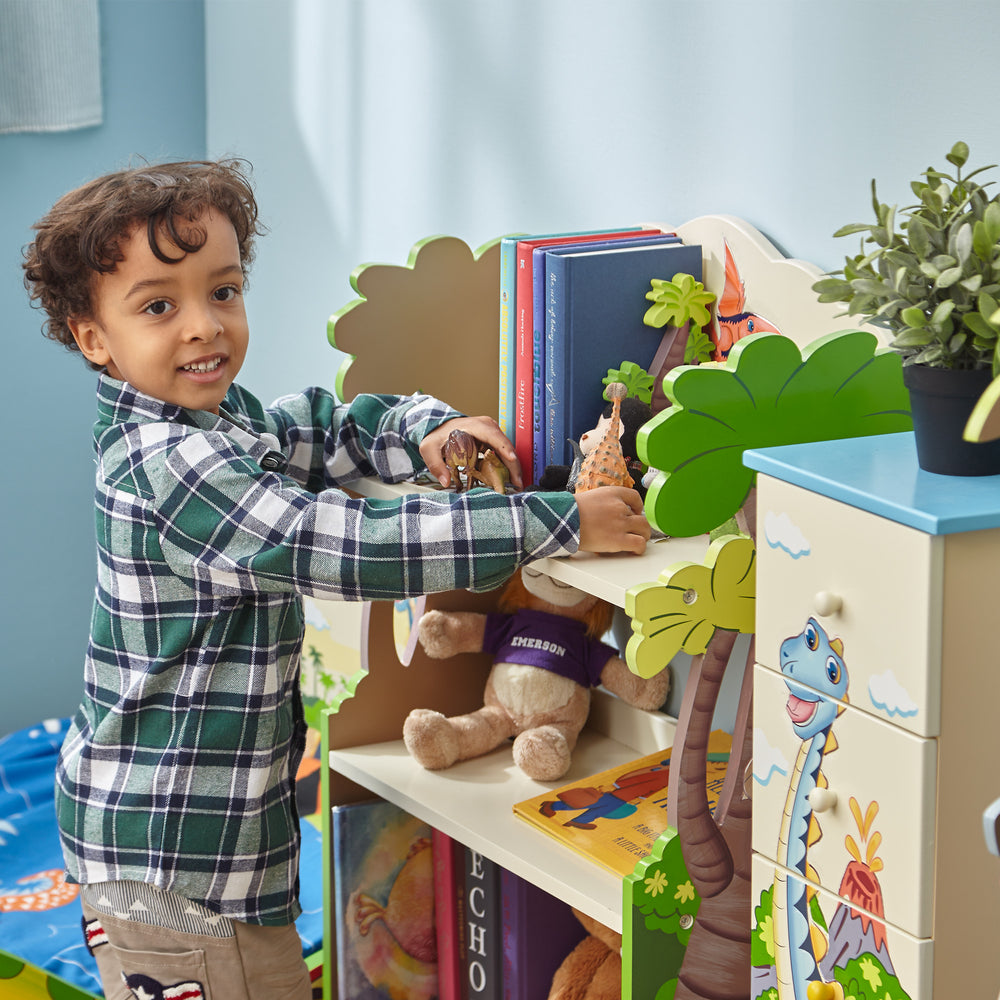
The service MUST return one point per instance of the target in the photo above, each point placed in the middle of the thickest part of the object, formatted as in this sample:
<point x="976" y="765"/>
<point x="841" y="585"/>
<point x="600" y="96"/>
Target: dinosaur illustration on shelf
<point x="810" y="658"/>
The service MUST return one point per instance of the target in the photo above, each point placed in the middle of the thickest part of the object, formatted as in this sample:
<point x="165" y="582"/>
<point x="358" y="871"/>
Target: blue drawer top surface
<point x="880" y="474"/>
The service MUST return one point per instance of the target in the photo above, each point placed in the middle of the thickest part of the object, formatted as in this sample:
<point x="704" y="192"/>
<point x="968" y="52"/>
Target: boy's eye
<point x="225" y="294"/>
<point x="158" y="307"/>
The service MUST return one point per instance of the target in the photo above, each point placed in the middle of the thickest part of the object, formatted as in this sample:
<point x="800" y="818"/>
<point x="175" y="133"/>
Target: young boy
<point x="175" y="786"/>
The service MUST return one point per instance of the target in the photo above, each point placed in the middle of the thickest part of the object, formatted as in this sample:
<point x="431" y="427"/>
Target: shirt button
<point x="273" y="462"/>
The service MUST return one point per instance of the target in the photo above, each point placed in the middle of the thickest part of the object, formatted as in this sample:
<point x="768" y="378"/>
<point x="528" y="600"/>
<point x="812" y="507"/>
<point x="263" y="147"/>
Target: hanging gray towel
<point x="50" y="65"/>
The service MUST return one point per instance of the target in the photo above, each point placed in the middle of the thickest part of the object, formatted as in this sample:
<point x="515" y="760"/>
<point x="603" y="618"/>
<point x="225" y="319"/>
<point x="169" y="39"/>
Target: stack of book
<point x="420" y="915"/>
<point x="571" y="309"/>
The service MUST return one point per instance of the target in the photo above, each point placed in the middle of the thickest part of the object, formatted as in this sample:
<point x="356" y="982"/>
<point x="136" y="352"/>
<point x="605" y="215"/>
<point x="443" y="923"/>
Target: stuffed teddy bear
<point x="548" y="655"/>
<point x="593" y="969"/>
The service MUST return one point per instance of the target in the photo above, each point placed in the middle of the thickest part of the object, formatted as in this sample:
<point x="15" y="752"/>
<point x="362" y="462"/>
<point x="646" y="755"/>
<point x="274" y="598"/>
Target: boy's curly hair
<point x="82" y="233"/>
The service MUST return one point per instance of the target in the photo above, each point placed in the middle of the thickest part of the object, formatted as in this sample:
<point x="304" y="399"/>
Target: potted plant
<point x="930" y="274"/>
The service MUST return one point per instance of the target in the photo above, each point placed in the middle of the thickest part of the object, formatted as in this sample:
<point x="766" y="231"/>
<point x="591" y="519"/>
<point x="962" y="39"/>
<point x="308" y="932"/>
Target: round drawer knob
<point x="827" y="604"/>
<point x="822" y="799"/>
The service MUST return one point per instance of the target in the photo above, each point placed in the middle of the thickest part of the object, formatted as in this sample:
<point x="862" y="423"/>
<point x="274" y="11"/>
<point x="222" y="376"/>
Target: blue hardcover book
<point x="538" y="312"/>
<point x="595" y="302"/>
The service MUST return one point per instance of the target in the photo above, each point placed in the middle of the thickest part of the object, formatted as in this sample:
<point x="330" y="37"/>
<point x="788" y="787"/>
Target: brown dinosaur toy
<point x="605" y="465"/>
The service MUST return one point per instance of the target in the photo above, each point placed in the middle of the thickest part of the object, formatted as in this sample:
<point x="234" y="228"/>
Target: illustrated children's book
<point x="539" y="931"/>
<point x="614" y="817"/>
<point x="384" y="903"/>
<point x="595" y="303"/>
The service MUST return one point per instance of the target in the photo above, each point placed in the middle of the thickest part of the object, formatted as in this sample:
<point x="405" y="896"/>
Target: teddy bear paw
<point x="542" y="754"/>
<point x="430" y="739"/>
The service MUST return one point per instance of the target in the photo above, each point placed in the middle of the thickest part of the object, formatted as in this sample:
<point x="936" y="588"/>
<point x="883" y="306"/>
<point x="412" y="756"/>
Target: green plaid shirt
<point x="179" y="767"/>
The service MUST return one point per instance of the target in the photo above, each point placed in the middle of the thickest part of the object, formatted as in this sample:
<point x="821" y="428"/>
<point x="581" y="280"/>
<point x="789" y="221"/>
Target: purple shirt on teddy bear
<point x="552" y="642"/>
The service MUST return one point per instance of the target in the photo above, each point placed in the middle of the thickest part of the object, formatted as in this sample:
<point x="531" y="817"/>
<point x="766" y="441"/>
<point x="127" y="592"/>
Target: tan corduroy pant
<point x="138" y="961"/>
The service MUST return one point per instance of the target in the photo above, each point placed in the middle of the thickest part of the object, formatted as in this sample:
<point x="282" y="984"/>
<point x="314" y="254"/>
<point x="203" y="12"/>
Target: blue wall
<point x="153" y="77"/>
<point x="373" y="125"/>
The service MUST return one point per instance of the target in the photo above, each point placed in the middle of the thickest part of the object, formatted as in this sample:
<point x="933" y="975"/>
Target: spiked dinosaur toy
<point x="605" y="465"/>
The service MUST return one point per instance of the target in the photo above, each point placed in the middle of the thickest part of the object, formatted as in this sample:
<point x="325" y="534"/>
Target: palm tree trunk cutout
<point x="680" y="307"/>
<point x="717" y="848"/>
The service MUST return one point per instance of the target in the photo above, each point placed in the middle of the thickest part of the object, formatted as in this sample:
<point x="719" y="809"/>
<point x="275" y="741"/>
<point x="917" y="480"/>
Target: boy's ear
<point x="88" y="336"/>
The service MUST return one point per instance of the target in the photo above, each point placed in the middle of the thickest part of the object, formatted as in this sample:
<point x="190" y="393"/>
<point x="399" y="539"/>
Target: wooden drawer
<point x="872" y="583"/>
<point x="888" y="773"/>
<point x="869" y="951"/>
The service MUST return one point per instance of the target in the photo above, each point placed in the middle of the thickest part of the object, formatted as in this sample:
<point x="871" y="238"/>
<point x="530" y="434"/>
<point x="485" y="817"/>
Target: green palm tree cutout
<point x="682" y="610"/>
<point x="681" y="306"/>
<point x="767" y="392"/>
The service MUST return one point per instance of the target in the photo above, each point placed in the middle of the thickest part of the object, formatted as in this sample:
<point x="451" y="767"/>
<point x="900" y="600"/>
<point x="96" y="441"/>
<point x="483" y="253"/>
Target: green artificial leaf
<point x="767" y="392"/>
<point x="959" y="154"/>
<point x="682" y="610"/>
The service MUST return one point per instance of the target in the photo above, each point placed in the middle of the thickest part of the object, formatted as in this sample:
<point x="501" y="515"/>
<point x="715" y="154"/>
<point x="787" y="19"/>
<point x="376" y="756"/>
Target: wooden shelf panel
<point x="605" y="576"/>
<point x="473" y="803"/>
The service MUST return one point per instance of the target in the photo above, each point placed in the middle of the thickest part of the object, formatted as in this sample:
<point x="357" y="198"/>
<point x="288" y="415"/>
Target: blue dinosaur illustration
<point x="816" y="675"/>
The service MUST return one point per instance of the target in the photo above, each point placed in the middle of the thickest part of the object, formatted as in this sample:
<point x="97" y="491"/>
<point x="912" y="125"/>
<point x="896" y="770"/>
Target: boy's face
<point x="177" y="332"/>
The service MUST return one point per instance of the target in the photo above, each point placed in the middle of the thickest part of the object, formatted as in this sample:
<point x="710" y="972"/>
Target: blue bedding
<point x="40" y="912"/>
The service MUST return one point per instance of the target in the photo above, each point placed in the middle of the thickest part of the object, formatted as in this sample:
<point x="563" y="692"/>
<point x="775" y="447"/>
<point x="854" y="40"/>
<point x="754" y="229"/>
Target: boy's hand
<point x="612" y="520"/>
<point x="485" y="430"/>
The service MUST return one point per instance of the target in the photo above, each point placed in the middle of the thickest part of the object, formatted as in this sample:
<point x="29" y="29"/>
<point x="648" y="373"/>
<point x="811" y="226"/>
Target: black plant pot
<point x="941" y="400"/>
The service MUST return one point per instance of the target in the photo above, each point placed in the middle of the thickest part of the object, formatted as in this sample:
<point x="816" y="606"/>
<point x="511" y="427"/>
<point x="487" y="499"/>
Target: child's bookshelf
<point x="472" y="802"/>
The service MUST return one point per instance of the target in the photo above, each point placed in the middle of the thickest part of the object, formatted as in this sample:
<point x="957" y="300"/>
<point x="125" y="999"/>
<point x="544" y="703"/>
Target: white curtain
<point x="50" y="65"/>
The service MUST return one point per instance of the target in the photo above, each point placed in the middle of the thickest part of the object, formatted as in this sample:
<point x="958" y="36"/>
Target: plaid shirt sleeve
<point x="229" y="527"/>
<point x="329" y="443"/>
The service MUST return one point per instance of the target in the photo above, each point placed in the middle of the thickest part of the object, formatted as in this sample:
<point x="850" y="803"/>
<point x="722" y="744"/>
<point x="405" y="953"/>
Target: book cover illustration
<point x="614" y="817"/>
<point x="384" y="900"/>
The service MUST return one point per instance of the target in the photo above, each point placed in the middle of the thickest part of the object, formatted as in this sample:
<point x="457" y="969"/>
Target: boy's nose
<point x="203" y="324"/>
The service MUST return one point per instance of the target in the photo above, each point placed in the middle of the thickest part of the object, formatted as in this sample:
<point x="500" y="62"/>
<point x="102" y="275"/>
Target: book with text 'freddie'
<point x="539" y="931"/>
<point x="483" y="928"/>
<point x="383" y="903"/>
<point x="595" y="303"/>
<point x="524" y="332"/>
<point x="540" y="425"/>
<point x="508" y="333"/>
<point x="614" y="817"/>
<point x="449" y="915"/>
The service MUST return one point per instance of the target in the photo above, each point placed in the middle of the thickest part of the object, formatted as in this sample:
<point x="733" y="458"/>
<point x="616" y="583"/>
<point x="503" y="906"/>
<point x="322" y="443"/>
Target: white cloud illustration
<point x="782" y="533"/>
<point x="767" y="760"/>
<point x="313" y="615"/>
<point x="890" y="696"/>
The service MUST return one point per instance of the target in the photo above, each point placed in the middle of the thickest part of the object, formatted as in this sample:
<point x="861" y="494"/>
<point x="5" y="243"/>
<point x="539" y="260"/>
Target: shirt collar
<point x="120" y="402"/>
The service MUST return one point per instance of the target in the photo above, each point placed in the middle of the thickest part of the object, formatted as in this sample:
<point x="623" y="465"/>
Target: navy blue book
<point x="595" y="302"/>
<point x="539" y="290"/>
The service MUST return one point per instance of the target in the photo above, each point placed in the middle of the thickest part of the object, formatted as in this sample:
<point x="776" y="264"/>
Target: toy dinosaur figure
<point x="461" y="454"/>
<point x="605" y="465"/>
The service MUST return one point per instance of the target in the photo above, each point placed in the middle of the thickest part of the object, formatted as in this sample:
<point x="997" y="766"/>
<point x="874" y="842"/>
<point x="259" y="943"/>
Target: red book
<point x="449" y="915"/>
<point x="527" y="331"/>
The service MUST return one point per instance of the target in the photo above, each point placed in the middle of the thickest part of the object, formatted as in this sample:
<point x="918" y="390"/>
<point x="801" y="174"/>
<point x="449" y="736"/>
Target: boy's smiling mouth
<point x="204" y="367"/>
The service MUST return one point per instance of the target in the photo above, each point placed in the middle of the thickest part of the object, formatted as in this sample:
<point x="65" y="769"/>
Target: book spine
<point x="538" y="314"/>
<point x="484" y="944"/>
<point x="523" y="398"/>
<point x="449" y="915"/>
<point x="340" y="891"/>
<point x="511" y="899"/>
<point x="557" y="350"/>
<point x="507" y="361"/>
